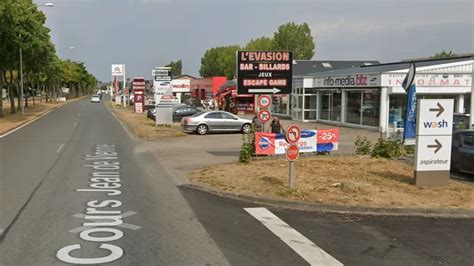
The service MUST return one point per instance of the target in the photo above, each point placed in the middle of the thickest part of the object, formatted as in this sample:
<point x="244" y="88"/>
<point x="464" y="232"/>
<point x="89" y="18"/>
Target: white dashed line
<point x="60" y="148"/>
<point x="299" y="243"/>
<point x="75" y="124"/>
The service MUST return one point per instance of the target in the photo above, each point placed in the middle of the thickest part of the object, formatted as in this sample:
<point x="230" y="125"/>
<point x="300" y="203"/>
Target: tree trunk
<point x="1" y="92"/>
<point x="34" y="91"/>
<point x="10" y="92"/>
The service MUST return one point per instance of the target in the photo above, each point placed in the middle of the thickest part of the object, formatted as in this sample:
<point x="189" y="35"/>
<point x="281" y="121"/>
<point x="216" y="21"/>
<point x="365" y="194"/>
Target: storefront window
<point x="397" y="109"/>
<point x="280" y="104"/>
<point x="467" y="103"/>
<point x="354" y="100"/>
<point x="336" y="106"/>
<point x="325" y="102"/>
<point x="371" y="108"/>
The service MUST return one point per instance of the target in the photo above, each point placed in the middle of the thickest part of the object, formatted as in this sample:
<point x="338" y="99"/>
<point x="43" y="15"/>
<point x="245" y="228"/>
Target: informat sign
<point x="264" y="72"/>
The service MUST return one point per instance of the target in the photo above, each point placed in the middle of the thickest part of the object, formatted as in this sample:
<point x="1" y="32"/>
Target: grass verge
<point x="11" y="121"/>
<point x="347" y="180"/>
<point x="143" y="127"/>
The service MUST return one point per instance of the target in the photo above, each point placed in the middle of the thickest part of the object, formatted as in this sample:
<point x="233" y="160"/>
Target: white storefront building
<point x="372" y="96"/>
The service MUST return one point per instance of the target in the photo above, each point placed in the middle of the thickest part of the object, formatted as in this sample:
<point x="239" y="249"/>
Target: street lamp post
<point x="22" y="101"/>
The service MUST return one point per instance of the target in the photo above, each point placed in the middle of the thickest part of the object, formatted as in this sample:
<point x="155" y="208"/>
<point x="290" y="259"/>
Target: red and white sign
<point x="138" y="85"/>
<point x="293" y="134"/>
<point x="292" y="153"/>
<point x="181" y="85"/>
<point x="264" y="116"/>
<point x="264" y="101"/>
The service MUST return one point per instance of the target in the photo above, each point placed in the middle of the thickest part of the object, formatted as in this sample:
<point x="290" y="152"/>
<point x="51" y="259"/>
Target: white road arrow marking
<point x="123" y="225"/>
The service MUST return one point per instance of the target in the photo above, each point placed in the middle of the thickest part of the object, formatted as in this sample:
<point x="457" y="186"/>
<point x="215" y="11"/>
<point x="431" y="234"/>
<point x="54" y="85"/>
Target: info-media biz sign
<point x="264" y="72"/>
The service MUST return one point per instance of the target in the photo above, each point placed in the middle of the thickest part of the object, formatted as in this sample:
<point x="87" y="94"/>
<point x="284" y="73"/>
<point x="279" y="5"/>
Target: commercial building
<point x="371" y="96"/>
<point x="181" y="86"/>
<point x="282" y="104"/>
<point x="206" y="88"/>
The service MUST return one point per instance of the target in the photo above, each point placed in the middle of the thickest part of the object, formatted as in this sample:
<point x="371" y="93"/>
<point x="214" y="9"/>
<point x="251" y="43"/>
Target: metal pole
<point x="471" y="124"/>
<point x="21" y="83"/>
<point x="290" y="177"/>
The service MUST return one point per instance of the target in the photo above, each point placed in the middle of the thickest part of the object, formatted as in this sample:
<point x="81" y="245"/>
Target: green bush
<point x="248" y="146"/>
<point x="387" y="149"/>
<point x="363" y="146"/>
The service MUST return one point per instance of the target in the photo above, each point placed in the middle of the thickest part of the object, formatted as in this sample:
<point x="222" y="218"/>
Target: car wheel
<point x="202" y="129"/>
<point x="246" y="128"/>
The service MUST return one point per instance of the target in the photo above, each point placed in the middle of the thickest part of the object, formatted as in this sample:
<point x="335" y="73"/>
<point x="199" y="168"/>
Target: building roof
<point x="380" y="68"/>
<point x="184" y="77"/>
<point x="302" y="67"/>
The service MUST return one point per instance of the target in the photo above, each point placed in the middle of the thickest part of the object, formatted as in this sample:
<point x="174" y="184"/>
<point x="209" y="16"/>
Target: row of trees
<point x="220" y="61"/>
<point x="22" y="26"/>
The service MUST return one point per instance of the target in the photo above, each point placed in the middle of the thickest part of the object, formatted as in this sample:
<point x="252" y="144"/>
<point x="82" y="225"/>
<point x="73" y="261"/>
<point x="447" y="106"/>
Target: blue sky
<point x="143" y="34"/>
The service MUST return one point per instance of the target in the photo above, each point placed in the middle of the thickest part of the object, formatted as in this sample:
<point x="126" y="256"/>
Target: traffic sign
<point x="436" y="117"/>
<point x="434" y="153"/>
<point x="264" y="72"/>
<point x="292" y="153"/>
<point x="293" y="134"/>
<point x="264" y="116"/>
<point x="433" y="142"/>
<point x="264" y="101"/>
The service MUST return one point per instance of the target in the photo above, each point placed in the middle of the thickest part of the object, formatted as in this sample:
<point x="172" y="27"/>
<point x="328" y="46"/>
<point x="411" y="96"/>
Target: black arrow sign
<point x="438" y="146"/>
<point x="440" y="110"/>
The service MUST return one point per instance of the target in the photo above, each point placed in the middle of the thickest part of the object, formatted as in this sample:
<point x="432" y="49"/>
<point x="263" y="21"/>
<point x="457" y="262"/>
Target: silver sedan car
<point x="215" y="121"/>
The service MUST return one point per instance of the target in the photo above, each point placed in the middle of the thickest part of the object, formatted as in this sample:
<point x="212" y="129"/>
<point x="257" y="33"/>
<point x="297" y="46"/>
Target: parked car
<point x="179" y="111"/>
<point x="95" y="99"/>
<point x="215" y="121"/>
<point x="460" y="121"/>
<point x="150" y="104"/>
<point x="462" y="153"/>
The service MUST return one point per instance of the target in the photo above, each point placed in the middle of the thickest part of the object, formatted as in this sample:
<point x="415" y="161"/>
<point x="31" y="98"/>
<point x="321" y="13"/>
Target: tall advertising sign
<point x="433" y="142"/>
<point x="162" y="82"/>
<point x="139" y="94"/>
<point x="410" y="89"/>
<point x="264" y="72"/>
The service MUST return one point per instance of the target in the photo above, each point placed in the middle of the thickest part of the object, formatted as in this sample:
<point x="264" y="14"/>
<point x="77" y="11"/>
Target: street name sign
<point x="293" y="134"/>
<point x="264" y="116"/>
<point x="264" y="72"/>
<point x="433" y="141"/>
<point x="264" y="101"/>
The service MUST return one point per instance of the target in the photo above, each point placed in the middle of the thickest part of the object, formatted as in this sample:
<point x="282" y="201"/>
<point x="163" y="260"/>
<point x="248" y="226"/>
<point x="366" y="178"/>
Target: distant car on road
<point x="95" y="99"/>
<point x="215" y="121"/>
<point x="462" y="153"/>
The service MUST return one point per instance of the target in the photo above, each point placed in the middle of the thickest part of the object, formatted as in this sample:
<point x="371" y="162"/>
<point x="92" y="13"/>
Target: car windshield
<point x="236" y="132"/>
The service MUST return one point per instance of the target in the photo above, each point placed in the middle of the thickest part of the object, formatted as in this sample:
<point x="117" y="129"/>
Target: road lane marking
<point x="123" y="126"/>
<point x="60" y="148"/>
<point x="296" y="241"/>
<point x="75" y="124"/>
<point x="123" y="225"/>
<point x="79" y="114"/>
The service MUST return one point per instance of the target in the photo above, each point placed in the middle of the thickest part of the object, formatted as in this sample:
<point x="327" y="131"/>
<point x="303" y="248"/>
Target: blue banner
<point x="410" y="118"/>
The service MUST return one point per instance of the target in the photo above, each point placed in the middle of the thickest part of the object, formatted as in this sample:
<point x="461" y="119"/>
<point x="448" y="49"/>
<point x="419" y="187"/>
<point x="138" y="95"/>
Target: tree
<point x="295" y="38"/>
<point x="176" y="68"/>
<point x="260" y="44"/>
<point x="443" y="54"/>
<point x="219" y="61"/>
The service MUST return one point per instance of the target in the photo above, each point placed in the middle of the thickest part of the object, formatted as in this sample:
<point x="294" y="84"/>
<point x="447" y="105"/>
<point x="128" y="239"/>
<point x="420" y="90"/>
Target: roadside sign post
<point x="292" y="135"/>
<point x="139" y="86"/>
<point x="433" y="142"/>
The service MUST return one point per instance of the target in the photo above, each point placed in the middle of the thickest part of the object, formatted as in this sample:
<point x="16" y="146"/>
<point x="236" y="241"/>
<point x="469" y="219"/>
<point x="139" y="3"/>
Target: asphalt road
<point x="159" y="227"/>
<point x="77" y="188"/>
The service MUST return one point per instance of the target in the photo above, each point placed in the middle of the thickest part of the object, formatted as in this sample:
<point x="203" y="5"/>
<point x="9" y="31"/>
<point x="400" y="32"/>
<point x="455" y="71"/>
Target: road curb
<point x="332" y="208"/>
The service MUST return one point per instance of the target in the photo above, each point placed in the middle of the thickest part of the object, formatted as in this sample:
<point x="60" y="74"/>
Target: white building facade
<point x="372" y="96"/>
